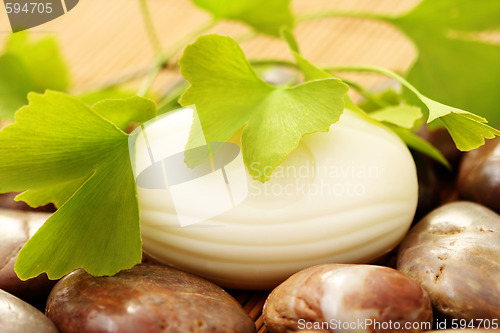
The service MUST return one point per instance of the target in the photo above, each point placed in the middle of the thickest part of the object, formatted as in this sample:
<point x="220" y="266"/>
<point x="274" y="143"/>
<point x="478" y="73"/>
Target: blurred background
<point x="106" y="41"/>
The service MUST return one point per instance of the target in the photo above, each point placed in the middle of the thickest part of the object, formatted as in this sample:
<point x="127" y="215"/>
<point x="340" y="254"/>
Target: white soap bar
<point x="345" y="196"/>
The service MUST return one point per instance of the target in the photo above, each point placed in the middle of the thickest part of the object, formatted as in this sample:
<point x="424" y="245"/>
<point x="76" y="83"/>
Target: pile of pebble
<point x="445" y="273"/>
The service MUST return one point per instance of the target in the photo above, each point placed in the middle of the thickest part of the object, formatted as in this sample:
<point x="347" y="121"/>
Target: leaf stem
<point x="335" y="13"/>
<point x="150" y="28"/>
<point x="160" y="62"/>
<point x="275" y="62"/>
<point x="366" y="94"/>
<point x="379" y="70"/>
<point x="162" y="59"/>
<point x="173" y="94"/>
<point x="181" y="43"/>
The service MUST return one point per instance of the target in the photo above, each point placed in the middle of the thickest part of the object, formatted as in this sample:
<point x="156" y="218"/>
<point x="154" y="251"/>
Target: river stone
<point x="146" y="298"/>
<point x="16" y="227"/>
<point x="454" y="253"/>
<point x="479" y="175"/>
<point x="17" y="316"/>
<point x="322" y="297"/>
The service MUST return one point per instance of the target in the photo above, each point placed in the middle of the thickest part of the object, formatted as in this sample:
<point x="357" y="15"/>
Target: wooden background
<point x="104" y="41"/>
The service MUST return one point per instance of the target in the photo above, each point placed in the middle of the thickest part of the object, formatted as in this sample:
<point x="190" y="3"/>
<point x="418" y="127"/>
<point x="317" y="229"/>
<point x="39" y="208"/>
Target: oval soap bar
<point x="344" y="196"/>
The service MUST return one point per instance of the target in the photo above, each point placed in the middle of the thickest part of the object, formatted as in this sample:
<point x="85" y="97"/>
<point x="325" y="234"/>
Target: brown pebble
<point x="17" y="316"/>
<point x="454" y="254"/>
<point x="146" y="298"/>
<point x="7" y="201"/>
<point x="312" y="298"/>
<point x="479" y="175"/>
<point x="16" y="227"/>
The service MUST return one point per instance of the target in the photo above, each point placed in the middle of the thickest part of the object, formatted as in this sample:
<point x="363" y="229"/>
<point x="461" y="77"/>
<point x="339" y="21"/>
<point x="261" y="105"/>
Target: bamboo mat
<point x="252" y="302"/>
<point x="104" y="41"/>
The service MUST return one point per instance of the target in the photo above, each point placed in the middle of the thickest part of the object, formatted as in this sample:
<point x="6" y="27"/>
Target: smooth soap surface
<point x="344" y="196"/>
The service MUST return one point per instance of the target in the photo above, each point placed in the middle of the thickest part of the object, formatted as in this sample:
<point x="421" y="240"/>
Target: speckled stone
<point x="146" y="298"/>
<point x="17" y="316"/>
<point x="359" y="292"/>
<point x="16" y="227"/>
<point x="454" y="253"/>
